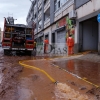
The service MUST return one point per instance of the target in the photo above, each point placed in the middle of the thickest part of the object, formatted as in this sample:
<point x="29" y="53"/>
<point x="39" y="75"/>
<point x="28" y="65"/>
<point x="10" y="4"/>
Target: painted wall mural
<point x="70" y="30"/>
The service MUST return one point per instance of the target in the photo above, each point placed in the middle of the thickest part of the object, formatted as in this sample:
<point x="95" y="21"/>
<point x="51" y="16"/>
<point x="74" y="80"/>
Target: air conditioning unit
<point x="72" y="14"/>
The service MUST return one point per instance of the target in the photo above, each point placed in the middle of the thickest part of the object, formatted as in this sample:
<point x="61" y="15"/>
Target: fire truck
<point x="17" y="37"/>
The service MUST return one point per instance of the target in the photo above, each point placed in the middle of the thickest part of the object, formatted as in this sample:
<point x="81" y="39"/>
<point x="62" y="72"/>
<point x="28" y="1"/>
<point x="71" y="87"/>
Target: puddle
<point x="34" y="86"/>
<point x="81" y="68"/>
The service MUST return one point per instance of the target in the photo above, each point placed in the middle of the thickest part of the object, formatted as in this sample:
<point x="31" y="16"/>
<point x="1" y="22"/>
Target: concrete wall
<point x="79" y="3"/>
<point x="53" y="27"/>
<point x="52" y="11"/>
<point x="48" y="31"/>
<point x="88" y="8"/>
<point x="60" y="13"/>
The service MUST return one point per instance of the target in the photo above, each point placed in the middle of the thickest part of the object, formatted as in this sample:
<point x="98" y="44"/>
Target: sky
<point x="14" y="8"/>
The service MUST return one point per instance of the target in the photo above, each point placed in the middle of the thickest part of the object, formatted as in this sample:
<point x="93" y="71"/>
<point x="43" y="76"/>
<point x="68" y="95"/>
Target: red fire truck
<point x="17" y="37"/>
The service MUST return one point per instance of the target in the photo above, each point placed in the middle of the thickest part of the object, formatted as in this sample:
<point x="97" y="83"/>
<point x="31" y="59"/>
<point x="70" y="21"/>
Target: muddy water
<point x="33" y="85"/>
<point x="25" y="83"/>
<point x="41" y="88"/>
<point x="87" y="69"/>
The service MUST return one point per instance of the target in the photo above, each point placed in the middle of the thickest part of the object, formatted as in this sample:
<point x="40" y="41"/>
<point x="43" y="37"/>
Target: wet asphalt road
<point x="34" y="85"/>
<point x="83" y="69"/>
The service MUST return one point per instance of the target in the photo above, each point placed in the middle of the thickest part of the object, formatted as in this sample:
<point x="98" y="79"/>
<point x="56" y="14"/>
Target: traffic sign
<point x="98" y="18"/>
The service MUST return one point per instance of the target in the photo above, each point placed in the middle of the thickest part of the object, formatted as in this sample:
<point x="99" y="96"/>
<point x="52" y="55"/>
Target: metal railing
<point x="47" y="21"/>
<point x="39" y="2"/>
<point x="63" y="7"/>
<point x="47" y="5"/>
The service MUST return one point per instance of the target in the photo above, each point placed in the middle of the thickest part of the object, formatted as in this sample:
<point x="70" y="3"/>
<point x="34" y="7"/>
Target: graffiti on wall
<point x="70" y="30"/>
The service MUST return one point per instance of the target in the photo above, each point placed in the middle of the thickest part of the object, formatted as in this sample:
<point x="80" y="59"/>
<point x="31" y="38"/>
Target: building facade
<point x="87" y="34"/>
<point x="1" y="35"/>
<point x="54" y="20"/>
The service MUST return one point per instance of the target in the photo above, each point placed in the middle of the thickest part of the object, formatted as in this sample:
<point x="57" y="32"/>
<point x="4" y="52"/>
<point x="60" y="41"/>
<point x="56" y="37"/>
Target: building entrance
<point x="89" y="35"/>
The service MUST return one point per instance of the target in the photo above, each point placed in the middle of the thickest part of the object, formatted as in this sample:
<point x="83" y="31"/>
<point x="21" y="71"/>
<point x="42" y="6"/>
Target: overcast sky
<point x="16" y="8"/>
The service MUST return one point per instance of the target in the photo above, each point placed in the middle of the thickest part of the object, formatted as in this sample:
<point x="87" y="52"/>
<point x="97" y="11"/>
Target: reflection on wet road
<point x="25" y="85"/>
<point x="87" y="69"/>
<point x="33" y="86"/>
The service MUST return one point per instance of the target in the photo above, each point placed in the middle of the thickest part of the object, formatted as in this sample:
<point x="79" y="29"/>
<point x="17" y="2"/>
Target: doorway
<point x="89" y="35"/>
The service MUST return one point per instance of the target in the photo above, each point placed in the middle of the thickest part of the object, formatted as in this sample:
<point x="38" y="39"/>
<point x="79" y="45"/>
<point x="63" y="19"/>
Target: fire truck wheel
<point x="7" y="52"/>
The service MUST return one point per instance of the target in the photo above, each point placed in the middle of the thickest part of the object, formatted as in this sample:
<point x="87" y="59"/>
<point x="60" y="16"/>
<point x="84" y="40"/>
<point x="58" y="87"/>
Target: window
<point x="45" y="1"/>
<point x="62" y="2"/>
<point x="47" y="14"/>
<point x="40" y="10"/>
<point x="40" y="23"/>
<point x="35" y="3"/>
<point x="57" y="4"/>
<point x="35" y="16"/>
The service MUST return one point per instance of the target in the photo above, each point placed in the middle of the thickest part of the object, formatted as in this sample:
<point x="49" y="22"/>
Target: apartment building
<point x="0" y="35"/>
<point x="54" y="19"/>
<point x="87" y="34"/>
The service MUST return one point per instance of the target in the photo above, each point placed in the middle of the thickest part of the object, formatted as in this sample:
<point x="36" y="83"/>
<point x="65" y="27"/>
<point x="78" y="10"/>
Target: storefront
<point x="65" y="28"/>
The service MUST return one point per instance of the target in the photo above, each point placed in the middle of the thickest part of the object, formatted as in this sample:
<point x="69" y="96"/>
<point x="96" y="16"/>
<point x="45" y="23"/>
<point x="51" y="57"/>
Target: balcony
<point x="63" y="8"/>
<point x="35" y="31"/>
<point x="40" y="6"/>
<point x="35" y="9"/>
<point x="39" y="15"/>
<point x="47" y="22"/>
<point x="39" y="29"/>
<point x="47" y="5"/>
<point x="39" y="3"/>
<point x="35" y="20"/>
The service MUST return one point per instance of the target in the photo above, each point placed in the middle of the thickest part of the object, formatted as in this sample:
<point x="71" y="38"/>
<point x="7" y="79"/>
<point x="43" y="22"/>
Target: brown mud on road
<point x="68" y="87"/>
<point x="9" y="71"/>
<point x="20" y="83"/>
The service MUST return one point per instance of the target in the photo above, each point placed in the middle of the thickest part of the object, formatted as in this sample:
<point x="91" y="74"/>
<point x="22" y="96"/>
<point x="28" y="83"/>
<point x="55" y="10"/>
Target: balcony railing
<point x="65" y="6"/>
<point x="46" y="22"/>
<point x="40" y="15"/>
<point x="40" y="2"/>
<point x="35" y="20"/>
<point x="35" y="31"/>
<point x="47" y="5"/>
<point x="35" y="9"/>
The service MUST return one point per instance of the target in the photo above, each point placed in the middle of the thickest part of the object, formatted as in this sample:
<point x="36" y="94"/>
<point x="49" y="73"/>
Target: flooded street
<point x="83" y="69"/>
<point x="39" y="78"/>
